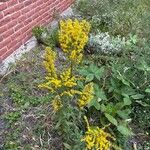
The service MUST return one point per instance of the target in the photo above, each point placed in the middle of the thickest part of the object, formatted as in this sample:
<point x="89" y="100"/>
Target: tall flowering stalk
<point x="73" y="36"/>
<point x="68" y="101"/>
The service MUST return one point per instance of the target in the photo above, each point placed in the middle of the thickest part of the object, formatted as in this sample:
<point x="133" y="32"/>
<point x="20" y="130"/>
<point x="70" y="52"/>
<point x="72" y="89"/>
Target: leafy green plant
<point x="111" y="100"/>
<point x="52" y="38"/>
<point x="116" y="17"/>
<point x="39" y="32"/>
<point x="13" y="116"/>
<point x="125" y="83"/>
<point x="46" y="37"/>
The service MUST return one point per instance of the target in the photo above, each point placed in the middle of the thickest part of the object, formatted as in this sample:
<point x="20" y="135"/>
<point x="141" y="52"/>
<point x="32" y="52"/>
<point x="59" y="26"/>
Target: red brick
<point x="11" y="44"/>
<point x="5" y="55"/>
<point x="3" y="50"/>
<point x="15" y="15"/>
<point x="16" y="34"/>
<point x="3" y="29"/>
<point x="18" y="26"/>
<point x="25" y="39"/>
<point x="1" y="15"/>
<point x="24" y="29"/>
<point x="15" y="47"/>
<point x="27" y="21"/>
<point x="38" y="3"/>
<point x="22" y="18"/>
<point x="18" y="6"/>
<point x="12" y="23"/>
<point x="21" y="0"/>
<point x="8" y="33"/>
<point x="36" y="10"/>
<point x="4" y="21"/>
<point x="21" y="37"/>
<point x="30" y="13"/>
<point x="3" y="6"/>
<point x="12" y="3"/>
<point x="5" y="42"/>
<point x="25" y="10"/>
<point x="1" y="38"/>
<point x="9" y="11"/>
<point x="27" y="2"/>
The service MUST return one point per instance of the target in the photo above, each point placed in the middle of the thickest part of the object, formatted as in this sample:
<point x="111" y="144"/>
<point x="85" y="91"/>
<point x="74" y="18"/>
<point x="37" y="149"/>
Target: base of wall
<point x="29" y="45"/>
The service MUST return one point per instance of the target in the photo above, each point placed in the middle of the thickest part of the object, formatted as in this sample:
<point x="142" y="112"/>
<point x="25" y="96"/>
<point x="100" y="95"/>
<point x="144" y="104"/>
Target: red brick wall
<point x="18" y="17"/>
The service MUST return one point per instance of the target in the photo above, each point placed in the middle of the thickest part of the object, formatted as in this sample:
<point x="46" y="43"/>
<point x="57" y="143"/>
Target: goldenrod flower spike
<point x="73" y="36"/>
<point x="96" y="138"/>
<point x="87" y="95"/>
<point x="49" y="62"/>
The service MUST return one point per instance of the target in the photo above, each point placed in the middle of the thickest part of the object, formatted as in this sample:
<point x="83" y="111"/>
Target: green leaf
<point x="83" y="72"/>
<point x="93" y="68"/>
<point x="124" y="114"/>
<point x="99" y="73"/>
<point x="111" y="119"/>
<point x="80" y="84"/>
<point x="124" y="130"/>
<point x="143" y="103"/>
<point x="137" y="96"/>
<point x="125" y="82"/>
<point x="103" y="108"/>
<point x="127" y="101"/>
<point x="99" y="92"/>
<point x="94" y="103"/>
<point x="89" y="78"/>
<point x="67" y="146"/>
<point x="147" y="90"/>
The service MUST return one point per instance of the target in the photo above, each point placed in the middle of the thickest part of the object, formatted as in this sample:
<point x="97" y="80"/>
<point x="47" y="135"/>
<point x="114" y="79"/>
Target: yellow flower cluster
<point x="67" y="79"/>
<point x="56" y="103"/>
<point x="54" y="81"/>
<point x="87" y="95"/>
<point x="73" y="36"/>
<point x="49" y="62"/>
<point x="96" y="138"/>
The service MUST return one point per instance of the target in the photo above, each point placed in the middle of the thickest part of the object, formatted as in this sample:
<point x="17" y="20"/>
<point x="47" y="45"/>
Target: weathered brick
<point x="18" y="26"/>
<point x="8" y="33"/>
<point x="12" y="23"/>
<point x="9" y="11"/>
<point x="18" y="17"/>
<point x="22" y="18"/>
<point x="15" y="15"/>
<point x="5" y="42"/>
<point x="5" y="55"/>
<point x="5" y="20"/>
<point x="12" y="3"/>
<point x="3" y="29"/>
<point x="3" y="50"/>
<point x="1" y="15"/>
<point x="3" y="6"/>
<point x="27" y="2"/>
<point x="18" y="6"/>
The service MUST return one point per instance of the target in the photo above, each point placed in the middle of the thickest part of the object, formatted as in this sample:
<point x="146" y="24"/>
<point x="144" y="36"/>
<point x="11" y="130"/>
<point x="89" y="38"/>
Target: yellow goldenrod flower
<point x="49" y="62"/>
<point x="56" y="103"/>
<point x="73" y="36"/>
<point x="96" y="138"/>
<point x="86" y="96"/>
<point x="67" y="79"/>
<point x="71" y="93"/>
